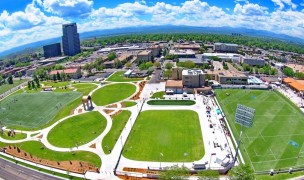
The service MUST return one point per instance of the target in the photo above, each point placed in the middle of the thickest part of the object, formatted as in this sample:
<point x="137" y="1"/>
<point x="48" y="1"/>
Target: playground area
<point x="31" y="110"/>
<point x="276" y="139"/>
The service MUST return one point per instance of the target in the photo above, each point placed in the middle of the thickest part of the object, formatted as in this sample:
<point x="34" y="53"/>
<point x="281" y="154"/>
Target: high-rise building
<point x="52" y="50"/>
<point x="70" y="39"/>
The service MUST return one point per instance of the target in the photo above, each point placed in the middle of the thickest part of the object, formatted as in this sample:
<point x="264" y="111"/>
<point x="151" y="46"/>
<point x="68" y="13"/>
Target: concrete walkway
<point x="213" y="155"/>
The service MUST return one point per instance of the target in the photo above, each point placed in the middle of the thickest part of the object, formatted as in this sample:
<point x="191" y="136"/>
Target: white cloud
<point x="250" y="9"/>
<point x="67" y="8"/>
<point x="33" y="24"/>
<point x="281" y="4"/>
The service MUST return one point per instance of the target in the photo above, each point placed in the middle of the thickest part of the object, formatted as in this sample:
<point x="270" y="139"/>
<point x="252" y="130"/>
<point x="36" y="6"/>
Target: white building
<point x="224" y="47"/>
<point x="224" y="56"/>
<point x="253" y="61"/>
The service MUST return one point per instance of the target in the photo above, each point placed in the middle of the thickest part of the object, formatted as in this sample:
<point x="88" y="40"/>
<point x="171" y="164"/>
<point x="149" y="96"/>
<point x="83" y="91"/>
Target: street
<point x="9" y="170"/>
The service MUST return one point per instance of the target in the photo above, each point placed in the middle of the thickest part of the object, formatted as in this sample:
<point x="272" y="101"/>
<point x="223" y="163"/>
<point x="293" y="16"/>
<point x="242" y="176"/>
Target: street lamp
<point x="161" y="155"/>
<point x="185" y="155"/>
<point x="212" y="154"/>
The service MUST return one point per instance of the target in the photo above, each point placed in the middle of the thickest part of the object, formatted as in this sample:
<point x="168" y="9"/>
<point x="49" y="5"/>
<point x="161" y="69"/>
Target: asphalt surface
<point x="156" y="77"/>
<point x="11" y="171"/>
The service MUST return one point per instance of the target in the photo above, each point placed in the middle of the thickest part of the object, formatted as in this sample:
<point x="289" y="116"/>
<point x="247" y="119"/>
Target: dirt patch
<point x="141" y="87"/>
<point x="140" y="170"/>
<point x="118" y="112"/>
<point x="112" y="106"/>
<point x="79" y="110"/>
<point x="93" y="146"/>
<point x="71" y="166"/>
<point x="108" y="111"/>
<point x="40" y="137"/>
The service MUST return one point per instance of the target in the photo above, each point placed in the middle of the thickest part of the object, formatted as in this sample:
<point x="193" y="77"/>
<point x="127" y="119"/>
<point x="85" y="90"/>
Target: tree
<point x="36" y="79"/>
<point x="111" y="56"/>
<point x="20" y="75"/>
<point x="288" y="72"/>
<point x="10" y="79"/>
<point x="54" y="77"/>
<point x="63" y="76"/>
<point x="169" y="65"/>
<point x="29" y="85"/>
<point x="241" y="172"/>
<point x="117" y="64"/>
<point x="58" y="76"/>
<point x="300" y="75"/>
<point x="156" y="64"/>
<point x="168" y="73"/>
<point x="128" y="65"/>
<point x="174" y="172"/>
<point x="33" y="85"/>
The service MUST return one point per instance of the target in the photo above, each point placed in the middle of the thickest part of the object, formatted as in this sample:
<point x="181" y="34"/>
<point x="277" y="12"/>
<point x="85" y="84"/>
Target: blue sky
<point x="26" y="21"/>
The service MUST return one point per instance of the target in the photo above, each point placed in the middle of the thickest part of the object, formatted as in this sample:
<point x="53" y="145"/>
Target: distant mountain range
<point x="160" y="29"/>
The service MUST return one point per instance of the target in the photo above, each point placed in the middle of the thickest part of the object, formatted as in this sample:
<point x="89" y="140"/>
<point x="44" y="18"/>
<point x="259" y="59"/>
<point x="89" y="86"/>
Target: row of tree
<point x="265" y="43"/>
<point x="290" y="73"/>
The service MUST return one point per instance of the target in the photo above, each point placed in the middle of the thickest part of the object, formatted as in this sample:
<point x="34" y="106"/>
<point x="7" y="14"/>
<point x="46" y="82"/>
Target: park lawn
<point x="66" y="110"/>
<point x="37" y="149"/>
<point x="33" y="110"/>
<point x="118" y="124"/>
<point x="118" y="77"/>
<point x="277" y="121"/>
<point x="7" y="87"/>
<point x="171" y="133"/>
<point x="158" y="95"/>
<point x="113" y="93"/>
<point x="85" y="88"/>
<point x="77" y="130"/>
<point x="279" y="176"/>
<point x="56" y="84"/>
<point x="17" y="136"/>
<point x="129" y="103"/>
<point x="171" y="102"/>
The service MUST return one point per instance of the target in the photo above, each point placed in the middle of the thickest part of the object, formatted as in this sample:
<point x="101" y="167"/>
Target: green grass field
<point x="277" y="121"/>
<point x="118" y="124"/>
<point x="37" y="149"/>
<point x="77" y="130"/>
<point x="113" y="93"/>
<point x="32" y="110"/>
<point x="171" y="133"/>
<point x="17" y="136"/>
<point x="6" y="87"/>
<point x="118" y="77"/>
<point x="129" y="103"/>
<point x="85" y="88"/>
<point x="171" y="102"/>
<point x="159" y="95"/>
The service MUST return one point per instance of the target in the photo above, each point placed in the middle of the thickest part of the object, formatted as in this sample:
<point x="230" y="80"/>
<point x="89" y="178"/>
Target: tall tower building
<point x="70" y="39"/>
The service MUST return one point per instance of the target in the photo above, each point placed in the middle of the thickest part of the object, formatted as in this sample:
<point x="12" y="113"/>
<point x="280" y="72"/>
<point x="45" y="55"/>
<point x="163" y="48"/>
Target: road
<point x="9" y="170"/>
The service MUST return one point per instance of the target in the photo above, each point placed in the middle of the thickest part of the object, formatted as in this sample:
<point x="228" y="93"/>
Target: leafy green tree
<point x="29" y="86"/>
<point x="111" y="56"/>
<point x="128" y="65"/>
<point x="288" y="72"/>
<point x="300" y="75"/>
<point x="241" y="172"/>
<point x="117" y="64"/>
<point x="169" y="65"/>
<point x="10" y="79"/>
<point x="54" y="77"/>
<point x="168" y="73"/>
<point x="156" y="64"/>
<point x="33" y="85"/>
<point x="174" y="172"/>
<point x="58" y="76"/>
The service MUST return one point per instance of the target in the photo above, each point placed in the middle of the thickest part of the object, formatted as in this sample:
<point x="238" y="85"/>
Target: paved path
<point x="109" y="161"/>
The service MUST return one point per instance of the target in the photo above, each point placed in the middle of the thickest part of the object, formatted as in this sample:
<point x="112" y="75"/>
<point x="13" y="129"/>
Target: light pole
<point x="160" y="158"/>
<point x="212" y="154"/>
<point x="185" y="155"/>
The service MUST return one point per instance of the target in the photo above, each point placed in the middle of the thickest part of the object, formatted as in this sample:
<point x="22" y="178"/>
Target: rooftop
<point x="193" y="72"/>
<point x="296" y="84"/>
<point x="182" y="52"/>
<point x="174" y="83"/>
<point x="145" y="52"/>
<point x="66" y="71"/>
<point x="227" y="44"/>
